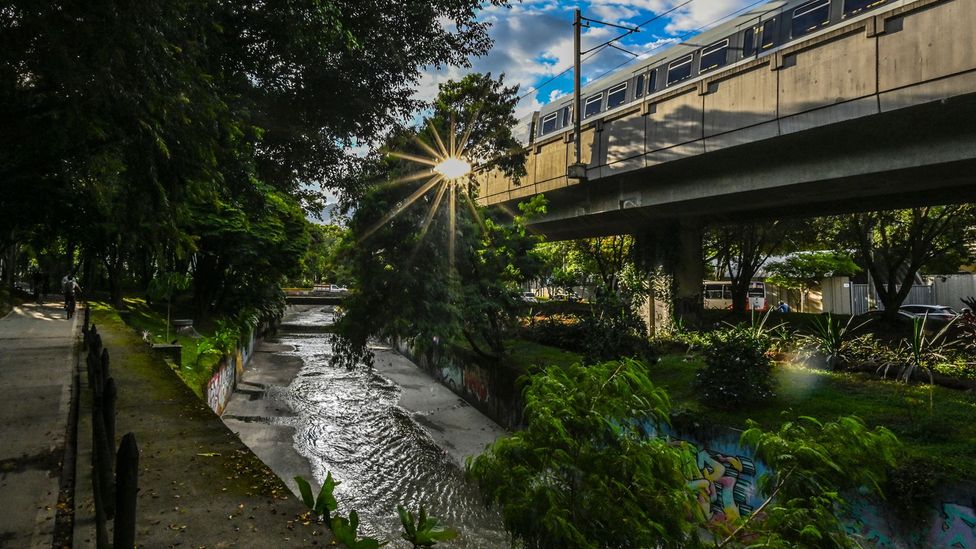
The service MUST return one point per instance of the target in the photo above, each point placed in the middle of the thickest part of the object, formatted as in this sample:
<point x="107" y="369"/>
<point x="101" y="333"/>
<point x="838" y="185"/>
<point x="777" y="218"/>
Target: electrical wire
<point x="538" y="88"/>
<point x="682" y="37"/>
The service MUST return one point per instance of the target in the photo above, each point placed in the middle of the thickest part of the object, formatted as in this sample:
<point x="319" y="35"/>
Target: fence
<point x="115" y="496"/>
<point x="920" y="294"/>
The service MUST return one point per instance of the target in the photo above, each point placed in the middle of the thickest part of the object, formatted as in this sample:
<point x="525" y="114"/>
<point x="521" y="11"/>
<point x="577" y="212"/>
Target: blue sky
<point x="534" y="41"/>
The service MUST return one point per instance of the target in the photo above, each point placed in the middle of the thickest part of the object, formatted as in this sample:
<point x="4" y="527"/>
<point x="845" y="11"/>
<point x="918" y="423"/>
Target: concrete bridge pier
<point x="672" y="254"/>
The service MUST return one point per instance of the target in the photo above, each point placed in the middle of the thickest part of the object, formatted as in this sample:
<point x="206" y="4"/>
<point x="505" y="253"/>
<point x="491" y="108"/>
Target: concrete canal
<point x="391" y="436"/>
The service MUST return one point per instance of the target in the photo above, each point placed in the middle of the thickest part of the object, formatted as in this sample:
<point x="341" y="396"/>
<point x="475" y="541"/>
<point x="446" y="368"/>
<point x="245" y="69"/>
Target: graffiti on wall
<point x="452" y="376"/>
<point x="725" y="485"/>
<point x="955" y="527"/>
<point x="476" y="383"/>
<point x="221" y="386"/>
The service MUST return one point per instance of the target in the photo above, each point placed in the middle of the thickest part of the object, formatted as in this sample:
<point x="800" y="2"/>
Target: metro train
<point x="757" y="33"/>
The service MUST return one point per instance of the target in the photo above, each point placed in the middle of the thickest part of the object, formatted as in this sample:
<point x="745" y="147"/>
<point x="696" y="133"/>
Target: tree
<point x="741" y="249"/>
<point x="427" y="262"/>
<point x="583" y="473"/>
<point x="894" y="245"/>
<point x="804" y="270"/>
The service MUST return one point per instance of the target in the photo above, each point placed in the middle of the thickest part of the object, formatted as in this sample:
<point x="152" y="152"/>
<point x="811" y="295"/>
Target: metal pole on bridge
<point x="577" y="24"/>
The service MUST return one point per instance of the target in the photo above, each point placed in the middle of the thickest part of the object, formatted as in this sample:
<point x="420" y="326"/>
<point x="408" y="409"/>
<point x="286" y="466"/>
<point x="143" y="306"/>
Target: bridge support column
<point x="672" y="254"/>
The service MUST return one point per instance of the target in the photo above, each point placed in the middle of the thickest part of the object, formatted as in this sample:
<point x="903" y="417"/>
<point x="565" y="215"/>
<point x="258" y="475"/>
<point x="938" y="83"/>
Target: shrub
<point x="737" y="369"/>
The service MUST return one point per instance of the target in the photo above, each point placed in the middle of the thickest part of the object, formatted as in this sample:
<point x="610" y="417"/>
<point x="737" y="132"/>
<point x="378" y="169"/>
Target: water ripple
<point x="348" y="422"/>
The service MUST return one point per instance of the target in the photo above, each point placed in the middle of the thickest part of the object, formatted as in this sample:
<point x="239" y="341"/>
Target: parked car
<point x="529" y="297"/>
<point x="939" y="313"/>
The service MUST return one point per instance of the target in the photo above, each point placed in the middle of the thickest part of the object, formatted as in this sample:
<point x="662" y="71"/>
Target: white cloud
<point x="533" y="41"/>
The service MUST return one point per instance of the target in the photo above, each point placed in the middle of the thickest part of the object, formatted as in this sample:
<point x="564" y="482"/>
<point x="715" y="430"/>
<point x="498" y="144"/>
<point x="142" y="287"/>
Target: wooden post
<point x="102" y="457"/>
<point x="126" y="490"/>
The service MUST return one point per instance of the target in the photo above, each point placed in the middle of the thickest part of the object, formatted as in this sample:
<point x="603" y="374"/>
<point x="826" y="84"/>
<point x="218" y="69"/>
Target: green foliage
<point x="613" y="330"/>
<point x="583" y="473"/>
<point x="432" y="270"/>
<point x="831" y="339"/>
<point x="422" y="531"/>
<point x="804" y="270"/>
<point x="911" y="490"/>
<point x="737" y="370"/>
<point x="324" y="506"/>
<point x="894" y="245"/>
<point x="812" y="464"/>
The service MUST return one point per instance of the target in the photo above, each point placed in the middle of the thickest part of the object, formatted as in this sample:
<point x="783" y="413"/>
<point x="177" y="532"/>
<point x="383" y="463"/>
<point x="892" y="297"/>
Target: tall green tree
<point x="441" y="267"/>
<point x="805" y="270"/>
<point x="894" y="245"/>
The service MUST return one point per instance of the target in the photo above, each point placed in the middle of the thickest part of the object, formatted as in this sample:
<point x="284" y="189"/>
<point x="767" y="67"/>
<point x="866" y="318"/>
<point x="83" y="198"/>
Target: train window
<point x="679" y="69"/>
<point x="565" y="117"/>
<point x="616" y="96"/>
<point x="767" y="34"/>
<point x="639" y="87"/>
<point x="749" y="42"/>
<point x="809" y="16"/>
<point x="652" y="82"/>
<point x="715" y="55"/>
<point x="592" y="105"/>
<point x="852" y="7"/>
<point x="548" y="123"/>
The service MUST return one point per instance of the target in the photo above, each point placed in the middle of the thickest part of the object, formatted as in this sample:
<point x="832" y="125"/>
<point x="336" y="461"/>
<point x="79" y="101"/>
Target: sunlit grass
<point x="144" y="320"/>
<point x="945" y="439"/>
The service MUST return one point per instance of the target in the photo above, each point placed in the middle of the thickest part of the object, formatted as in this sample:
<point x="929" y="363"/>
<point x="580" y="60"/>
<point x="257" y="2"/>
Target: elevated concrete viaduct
<point x="878" y="113"/>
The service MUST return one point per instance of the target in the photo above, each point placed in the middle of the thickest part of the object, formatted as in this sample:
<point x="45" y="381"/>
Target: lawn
<point x="148" y="322"/>
<point x="524" y="355"/>
<point x="945" y="439"/>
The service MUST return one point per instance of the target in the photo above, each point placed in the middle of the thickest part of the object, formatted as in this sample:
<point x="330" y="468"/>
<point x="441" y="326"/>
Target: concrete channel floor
<point x="36" y="367"/>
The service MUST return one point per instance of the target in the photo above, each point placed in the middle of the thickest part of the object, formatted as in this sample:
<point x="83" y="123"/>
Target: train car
<point x="759" y="32"/>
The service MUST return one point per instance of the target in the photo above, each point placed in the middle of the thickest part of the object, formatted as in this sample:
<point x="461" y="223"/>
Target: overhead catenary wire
<point x="597" y="49"/>
<point x="682" y="37"/>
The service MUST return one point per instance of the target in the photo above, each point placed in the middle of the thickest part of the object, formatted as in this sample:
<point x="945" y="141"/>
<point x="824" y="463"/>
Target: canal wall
<point x="492" y="390"/>
<point x="229" y="371"/>
<point x="727" y="474"/>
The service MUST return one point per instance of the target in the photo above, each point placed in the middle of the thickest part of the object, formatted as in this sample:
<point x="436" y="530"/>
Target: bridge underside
<point x="916" y="156"/>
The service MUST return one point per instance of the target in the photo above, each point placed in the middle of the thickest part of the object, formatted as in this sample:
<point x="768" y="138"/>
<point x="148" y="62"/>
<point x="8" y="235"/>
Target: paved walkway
<point x="199" y="486"/>
<point x="36" y="366"/>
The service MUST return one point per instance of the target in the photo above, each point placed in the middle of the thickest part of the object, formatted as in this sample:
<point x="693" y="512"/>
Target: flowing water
<point x="348" y="422"/>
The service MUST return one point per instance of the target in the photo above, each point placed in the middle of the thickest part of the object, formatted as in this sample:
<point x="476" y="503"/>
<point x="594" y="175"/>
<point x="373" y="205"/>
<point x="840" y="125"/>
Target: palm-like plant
<point x="829" y="337"/>
<point x="922" y="349"/>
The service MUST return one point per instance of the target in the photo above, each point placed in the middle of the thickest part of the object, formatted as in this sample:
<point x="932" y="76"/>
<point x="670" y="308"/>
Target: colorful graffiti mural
<point x="955" y="527"/>
<point x="221" y="386"/>
<point x="725" y="485"/>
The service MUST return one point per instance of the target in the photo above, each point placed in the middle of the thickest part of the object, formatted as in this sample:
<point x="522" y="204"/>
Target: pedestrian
<point x="71" y="291"/>
<point x="783" y="307"/>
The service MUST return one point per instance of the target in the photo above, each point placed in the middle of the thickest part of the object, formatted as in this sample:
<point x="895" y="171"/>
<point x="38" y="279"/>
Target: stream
<point x="349" y="422"/>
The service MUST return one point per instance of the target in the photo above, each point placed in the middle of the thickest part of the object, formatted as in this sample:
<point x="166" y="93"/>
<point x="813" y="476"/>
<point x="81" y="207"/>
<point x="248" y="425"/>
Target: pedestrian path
<point x="37" y="359"/>
<point x="199" y="486"/>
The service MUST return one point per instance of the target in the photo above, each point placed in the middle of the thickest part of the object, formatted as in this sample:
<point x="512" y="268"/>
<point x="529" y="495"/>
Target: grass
<point x="946" y="439"/>
<point x="195" y="371"/>
<point x="524" y="355"/>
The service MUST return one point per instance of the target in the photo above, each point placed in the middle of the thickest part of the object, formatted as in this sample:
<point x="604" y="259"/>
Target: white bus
<point x="718" y="295"/>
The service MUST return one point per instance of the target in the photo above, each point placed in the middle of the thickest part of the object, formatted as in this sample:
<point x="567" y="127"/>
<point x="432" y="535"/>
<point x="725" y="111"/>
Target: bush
<point x="737" y="369"/>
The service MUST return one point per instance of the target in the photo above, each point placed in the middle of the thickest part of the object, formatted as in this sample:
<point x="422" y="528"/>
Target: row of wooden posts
<point x="115" y="496"/>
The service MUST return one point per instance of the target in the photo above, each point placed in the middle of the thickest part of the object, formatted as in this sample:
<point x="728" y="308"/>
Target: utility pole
<point x="577" y="170"/>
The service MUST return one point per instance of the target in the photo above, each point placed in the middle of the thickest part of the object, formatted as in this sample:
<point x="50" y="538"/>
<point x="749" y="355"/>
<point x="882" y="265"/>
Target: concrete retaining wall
<point x="229" y="371"/>
<point x="492" y="390"/>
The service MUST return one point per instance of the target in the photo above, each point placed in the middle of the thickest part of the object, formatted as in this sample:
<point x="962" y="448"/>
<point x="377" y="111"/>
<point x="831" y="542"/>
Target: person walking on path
<point x="71" y="291"/>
